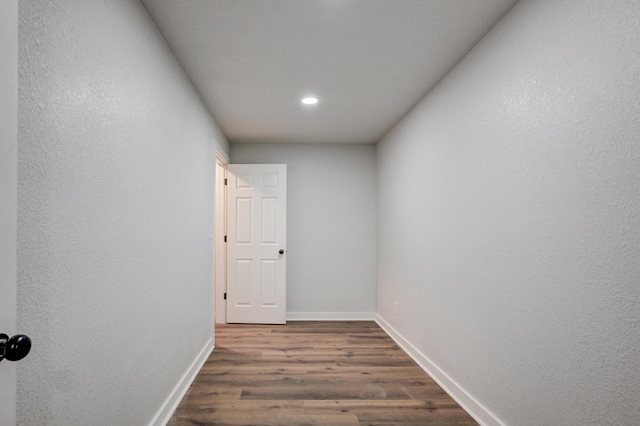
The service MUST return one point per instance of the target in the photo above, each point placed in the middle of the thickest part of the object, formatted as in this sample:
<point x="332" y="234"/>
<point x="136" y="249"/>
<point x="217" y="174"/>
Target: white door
<point x="8" y="200"/>
<point x="256" y="243"/>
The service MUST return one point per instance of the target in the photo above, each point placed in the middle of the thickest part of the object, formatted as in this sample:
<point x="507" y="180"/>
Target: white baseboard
<point x="163" y="415"/>
<point x="475" y="409"/>
<point x="331" y="316"/>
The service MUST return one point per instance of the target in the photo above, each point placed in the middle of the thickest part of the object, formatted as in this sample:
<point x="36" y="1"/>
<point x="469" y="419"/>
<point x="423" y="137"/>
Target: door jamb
<point x="220" y="250"/>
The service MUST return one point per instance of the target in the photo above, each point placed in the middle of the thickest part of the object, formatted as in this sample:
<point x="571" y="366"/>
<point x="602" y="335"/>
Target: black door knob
<point x="14" y="348"/>
<point x="281" y="251"/>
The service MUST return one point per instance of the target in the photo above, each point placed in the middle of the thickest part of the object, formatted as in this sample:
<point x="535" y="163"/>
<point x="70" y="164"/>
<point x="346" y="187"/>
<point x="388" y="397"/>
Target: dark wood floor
<point x="313" y="373"/>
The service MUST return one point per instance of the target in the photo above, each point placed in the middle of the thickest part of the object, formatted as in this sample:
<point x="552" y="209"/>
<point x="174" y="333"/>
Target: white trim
<point x="330" y="316"/>
<point x="167" y="409"/>
<point x="220" y="249"/>
<point x="220" y="152"/>
<point x="475" y="409"/>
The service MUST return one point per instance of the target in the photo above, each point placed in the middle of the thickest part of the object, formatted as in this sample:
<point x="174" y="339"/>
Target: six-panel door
<point x="256" y="243"/>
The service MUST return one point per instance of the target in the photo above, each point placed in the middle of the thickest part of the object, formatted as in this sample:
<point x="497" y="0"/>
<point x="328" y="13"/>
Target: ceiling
<point x="367" y="61"/>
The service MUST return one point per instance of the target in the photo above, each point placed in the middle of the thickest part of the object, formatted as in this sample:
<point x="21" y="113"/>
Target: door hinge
<point x="225" y="296"/>
<point x="225" y="181"/>
<point x="225" y="238"/>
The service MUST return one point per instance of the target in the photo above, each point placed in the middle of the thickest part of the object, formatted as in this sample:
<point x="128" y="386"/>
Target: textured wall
<point x="331" y="223"/>
<point x="509" y="225"/>
<point x="114" y="210"/>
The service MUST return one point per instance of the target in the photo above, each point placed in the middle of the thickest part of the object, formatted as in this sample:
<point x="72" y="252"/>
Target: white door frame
<point x="220" y="249"/>
<point x="8" y="197"/>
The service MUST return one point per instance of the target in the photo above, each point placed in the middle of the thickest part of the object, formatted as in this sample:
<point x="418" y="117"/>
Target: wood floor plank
<point x="313" y="373"/>
<point x="279" y="406"/>
<point x="327" y="391"/>
<point x="371" y="406"/>
<point x="395" y="412"/>
<point x="228" y="419"/>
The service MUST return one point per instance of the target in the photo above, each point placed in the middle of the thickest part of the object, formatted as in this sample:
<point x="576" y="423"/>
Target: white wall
<point x="8" y="196"/>
<point x="508" y="205"/>
<point x="331" y="224"/>
<point x="114" y="211"/>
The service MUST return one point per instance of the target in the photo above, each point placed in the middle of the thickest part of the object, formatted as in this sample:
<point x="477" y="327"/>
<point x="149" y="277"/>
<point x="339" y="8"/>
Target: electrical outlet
<point x="397" y="308"/>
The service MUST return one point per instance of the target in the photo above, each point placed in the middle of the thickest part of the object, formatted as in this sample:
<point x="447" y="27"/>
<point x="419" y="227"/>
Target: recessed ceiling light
<point x="310" y="101"/>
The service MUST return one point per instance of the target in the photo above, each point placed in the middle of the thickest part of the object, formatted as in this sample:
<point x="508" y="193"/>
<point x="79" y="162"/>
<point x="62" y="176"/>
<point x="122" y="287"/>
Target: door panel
<point x="244" y="221"/>
<point x="269" y="282"/>
<point x="256" y="281"/>
<point x="243" y="282"/>
<point x="8" y="197"/>
<point x="270" y="221"/>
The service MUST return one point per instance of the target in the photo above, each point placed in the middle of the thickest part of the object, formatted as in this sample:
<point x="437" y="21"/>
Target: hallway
<point x="492" y="230"/>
